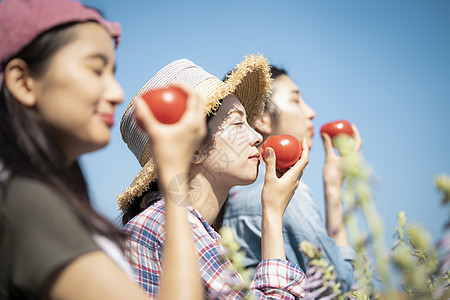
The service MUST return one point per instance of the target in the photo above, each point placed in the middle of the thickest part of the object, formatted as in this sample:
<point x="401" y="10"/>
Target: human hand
<point x="280" y="185"/>
<point x="174" y="144"/>
<point x="332" y="171"/>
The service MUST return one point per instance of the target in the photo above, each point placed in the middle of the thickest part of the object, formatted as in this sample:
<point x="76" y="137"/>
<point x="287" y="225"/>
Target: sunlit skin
<point x="233" y="160"/>
<point x="295" y="116"/>
<point x="78" y="95"/>
<point x="234" y="156"/>
<point x="230" y="159"/>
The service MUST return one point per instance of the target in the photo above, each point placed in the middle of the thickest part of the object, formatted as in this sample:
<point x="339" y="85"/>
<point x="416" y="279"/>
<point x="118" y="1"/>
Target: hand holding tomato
<point x="332" y="168"/>
<point x="174" y="144"/>
<point x="336" y="128"/>
<point x="167" y="104"/>
<point x="288" y="150"/>
<point x="280" y="186"/>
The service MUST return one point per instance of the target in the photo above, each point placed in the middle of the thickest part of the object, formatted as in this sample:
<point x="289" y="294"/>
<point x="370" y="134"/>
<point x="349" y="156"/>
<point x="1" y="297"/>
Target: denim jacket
<point x="301" y="222"/>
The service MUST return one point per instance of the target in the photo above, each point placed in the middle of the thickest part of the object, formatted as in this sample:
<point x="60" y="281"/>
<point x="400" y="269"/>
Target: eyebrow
<point x="237" y="111"/>
<point x="297" y="92"/>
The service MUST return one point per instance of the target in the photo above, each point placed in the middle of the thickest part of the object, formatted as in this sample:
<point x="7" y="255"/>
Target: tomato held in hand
<point x="167" y="104"/>
<point x="288" y="150"/>
<point x="337" y="127"/>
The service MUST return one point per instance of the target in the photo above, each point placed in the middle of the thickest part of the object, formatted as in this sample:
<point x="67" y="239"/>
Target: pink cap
<point x="24" y="20"/>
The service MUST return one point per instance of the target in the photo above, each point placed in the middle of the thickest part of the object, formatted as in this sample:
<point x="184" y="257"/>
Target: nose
<point x="311" y="113"/>
<point x="255" y="137"/>
<point x="114" y="91"/>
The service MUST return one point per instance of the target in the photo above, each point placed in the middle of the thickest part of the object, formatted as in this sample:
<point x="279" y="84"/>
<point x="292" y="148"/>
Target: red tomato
<point x="167" y="104"/>
<point x="337" y="127"/>
<point x="288" y="150"/>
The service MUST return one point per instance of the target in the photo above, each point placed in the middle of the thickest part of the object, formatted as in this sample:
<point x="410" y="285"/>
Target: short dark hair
<point x="275" y="72"/>
<point x="270" y="106"/>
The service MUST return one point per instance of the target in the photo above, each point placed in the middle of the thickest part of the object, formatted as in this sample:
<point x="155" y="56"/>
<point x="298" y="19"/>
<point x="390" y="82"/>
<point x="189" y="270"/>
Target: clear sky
<point x="383" y="65"/>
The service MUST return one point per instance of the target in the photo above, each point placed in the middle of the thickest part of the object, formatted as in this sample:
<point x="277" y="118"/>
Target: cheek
<point x="222" y="158"/>
<point x="68" y="95"/>
<point x="295" y="115"/>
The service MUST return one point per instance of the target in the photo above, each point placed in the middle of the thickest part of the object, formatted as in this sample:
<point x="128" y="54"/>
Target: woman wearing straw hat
<point x="227" y="157"/>
<point x="58" y="94"/>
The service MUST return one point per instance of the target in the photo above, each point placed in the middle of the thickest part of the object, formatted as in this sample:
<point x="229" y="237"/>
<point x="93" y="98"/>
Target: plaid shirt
<point x="274" y="278"/>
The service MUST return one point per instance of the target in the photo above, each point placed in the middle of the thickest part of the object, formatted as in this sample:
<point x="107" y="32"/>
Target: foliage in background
<point x="423" y="267"/>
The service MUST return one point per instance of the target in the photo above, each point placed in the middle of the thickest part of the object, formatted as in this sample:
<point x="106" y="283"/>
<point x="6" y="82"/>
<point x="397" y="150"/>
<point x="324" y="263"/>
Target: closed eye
<point x="97" y="71"/>
<point x="97" y="63"/>
<point x="295" y="100"/>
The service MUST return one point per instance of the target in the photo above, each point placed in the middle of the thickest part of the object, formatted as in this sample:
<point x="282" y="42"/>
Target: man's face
<point x="294" y="115"/>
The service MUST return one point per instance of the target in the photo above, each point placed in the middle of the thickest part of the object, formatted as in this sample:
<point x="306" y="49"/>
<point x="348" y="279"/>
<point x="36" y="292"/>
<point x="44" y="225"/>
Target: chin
<point x="99" y="144"/>
<point x="249" y="180"/>
<point x="244" y="183"/>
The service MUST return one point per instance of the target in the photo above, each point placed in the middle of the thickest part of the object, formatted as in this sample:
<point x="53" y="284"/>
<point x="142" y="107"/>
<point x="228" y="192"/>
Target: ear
<point x="198" y="157"/>
<point x="19" y="82"/>
<point x="264" y="124"/>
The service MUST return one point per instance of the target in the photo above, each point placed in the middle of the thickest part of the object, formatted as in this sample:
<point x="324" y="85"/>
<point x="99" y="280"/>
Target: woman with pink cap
<point x="58" y="95"/>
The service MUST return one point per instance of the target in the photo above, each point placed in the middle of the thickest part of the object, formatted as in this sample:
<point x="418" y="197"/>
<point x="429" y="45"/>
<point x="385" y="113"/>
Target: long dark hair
<point x="28" y="148"/>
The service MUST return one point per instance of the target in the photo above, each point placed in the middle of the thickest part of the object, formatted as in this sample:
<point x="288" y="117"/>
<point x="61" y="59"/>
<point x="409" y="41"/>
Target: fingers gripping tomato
<point x="288" y="150"/>
<point x="337" y="127"/>
<point x="167" y="104"/>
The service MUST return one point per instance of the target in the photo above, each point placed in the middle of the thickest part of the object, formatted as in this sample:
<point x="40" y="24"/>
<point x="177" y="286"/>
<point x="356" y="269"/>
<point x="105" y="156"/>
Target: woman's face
<point x="292" y="110"/>
<point x="233" y="158"/>
<point x="78" y="94"/>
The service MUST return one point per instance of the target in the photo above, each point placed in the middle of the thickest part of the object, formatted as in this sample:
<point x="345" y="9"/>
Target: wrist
<point x="271" y="219"/>
<point x="272" y="244"/>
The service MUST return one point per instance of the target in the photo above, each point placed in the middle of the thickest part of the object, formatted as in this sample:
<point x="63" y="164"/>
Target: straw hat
<point x="249" y="81"/>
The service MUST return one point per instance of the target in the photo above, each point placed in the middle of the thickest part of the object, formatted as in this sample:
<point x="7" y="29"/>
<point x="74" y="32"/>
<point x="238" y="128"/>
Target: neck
<point x="208" y="195"/>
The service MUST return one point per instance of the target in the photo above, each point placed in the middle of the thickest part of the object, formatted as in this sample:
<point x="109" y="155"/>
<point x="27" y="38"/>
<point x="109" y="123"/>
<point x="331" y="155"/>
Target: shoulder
<point x="302" y="197"/>
<point x="244" y="200"/>
<point x="41" y="233"/>
<point x="31" y="205"/>
<point x="26" y="188"/>
<point x="150" y="219"/>
<point x="304" y="190"/>
<point x="29" y="197"/>
<point x="146" y="230"/>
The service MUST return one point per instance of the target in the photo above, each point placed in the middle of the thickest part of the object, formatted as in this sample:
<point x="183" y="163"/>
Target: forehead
<point x="90" y="36"/>
<point x="230" y="108"/>
<point x="230" y="105"/>
<point x="283" y="84"/>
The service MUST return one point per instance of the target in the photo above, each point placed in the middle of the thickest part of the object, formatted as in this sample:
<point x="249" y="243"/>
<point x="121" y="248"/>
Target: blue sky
<point x="383" y="65"/>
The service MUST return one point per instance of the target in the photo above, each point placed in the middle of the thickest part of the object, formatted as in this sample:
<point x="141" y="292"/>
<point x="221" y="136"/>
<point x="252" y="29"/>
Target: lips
<point x="107" y="118"/>
<point x="256" y="155"/>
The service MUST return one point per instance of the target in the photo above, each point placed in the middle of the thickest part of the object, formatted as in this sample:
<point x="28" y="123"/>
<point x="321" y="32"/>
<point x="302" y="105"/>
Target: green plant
<point x="423" y="275"/>
<point x="236" y="257"/>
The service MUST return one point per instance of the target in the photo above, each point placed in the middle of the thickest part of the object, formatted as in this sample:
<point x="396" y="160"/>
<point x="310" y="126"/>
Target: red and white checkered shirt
<point x="274" y="278"/>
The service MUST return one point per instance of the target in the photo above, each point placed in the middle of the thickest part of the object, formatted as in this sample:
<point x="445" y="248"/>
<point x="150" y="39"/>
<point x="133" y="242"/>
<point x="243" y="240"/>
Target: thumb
<point x="327" y="143"/>
<point x="144" y="116"/>
<point x="270" y="159"/>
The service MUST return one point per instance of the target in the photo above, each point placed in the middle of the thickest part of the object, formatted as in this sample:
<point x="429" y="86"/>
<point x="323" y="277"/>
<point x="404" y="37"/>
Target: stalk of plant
<point x="357" y="195"/>
<point x="236" y="257"/>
